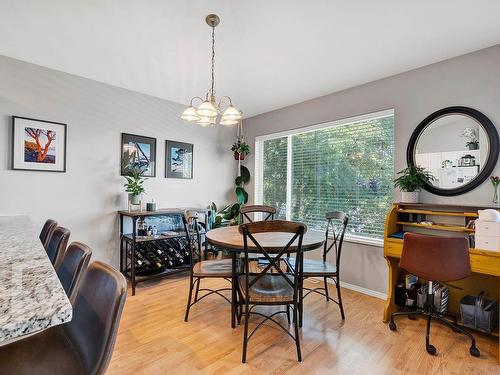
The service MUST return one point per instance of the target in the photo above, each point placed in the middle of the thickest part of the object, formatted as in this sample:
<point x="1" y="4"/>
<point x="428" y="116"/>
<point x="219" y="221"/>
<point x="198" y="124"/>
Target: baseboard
<point x="360" y="289"/>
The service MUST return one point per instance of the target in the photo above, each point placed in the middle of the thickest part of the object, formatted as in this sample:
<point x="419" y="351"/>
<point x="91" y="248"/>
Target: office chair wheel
<point x="392" y="326"/>
<point x="431" y="349"/>
<point x="474" y="351"/>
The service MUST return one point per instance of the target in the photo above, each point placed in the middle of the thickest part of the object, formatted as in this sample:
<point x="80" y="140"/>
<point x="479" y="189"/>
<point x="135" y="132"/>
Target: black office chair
<point x="435" y="259"/>
<point x="335" y="230"/>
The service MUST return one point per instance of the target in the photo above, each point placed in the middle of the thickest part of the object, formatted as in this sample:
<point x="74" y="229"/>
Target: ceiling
<point x="270" y="54"/>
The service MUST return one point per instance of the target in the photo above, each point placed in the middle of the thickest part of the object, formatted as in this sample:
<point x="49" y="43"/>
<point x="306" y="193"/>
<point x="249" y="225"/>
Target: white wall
<point x="471" y="80"/>
<point x="85" y="198"/>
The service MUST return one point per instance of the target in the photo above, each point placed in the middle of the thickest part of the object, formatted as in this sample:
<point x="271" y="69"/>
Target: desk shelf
<point x="445" y="227"/>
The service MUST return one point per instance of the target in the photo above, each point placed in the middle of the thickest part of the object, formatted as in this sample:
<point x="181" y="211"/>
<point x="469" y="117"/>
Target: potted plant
<point x="472" y="137"/>
<point x="134" y="185"/>
<point x="410" y="181"/>
<point x="240" y="149"/>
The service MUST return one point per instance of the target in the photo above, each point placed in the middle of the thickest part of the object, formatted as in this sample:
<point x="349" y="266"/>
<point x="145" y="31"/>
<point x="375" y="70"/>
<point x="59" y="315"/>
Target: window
<point x="344" y="165"/>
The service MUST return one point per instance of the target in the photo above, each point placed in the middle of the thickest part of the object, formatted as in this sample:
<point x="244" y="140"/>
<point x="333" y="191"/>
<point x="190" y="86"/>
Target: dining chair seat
<point x="270" y="288"/>
<point x="315" y="267"/>
<point x="214" y="268"/>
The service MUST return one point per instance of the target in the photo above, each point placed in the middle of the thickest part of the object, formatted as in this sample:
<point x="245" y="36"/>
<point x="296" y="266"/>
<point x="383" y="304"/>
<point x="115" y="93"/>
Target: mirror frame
<point x="493" y="138"/>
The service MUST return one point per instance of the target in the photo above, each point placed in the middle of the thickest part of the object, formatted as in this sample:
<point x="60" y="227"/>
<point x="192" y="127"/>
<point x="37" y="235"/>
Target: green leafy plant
<point x="231" y="213"/>
<point x="413" y="178"/>
<point x="240" y="147"/>
<point x="135" y="180"/>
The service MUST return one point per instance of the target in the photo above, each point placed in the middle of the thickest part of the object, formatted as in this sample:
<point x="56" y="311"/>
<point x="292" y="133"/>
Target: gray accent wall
<point x="471" y="80"/>
<point x="85" y="198"/>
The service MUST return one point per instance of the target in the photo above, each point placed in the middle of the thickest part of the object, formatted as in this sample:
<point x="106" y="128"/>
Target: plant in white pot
<point x="410" y="181"/>
<point x="134" y="185"/>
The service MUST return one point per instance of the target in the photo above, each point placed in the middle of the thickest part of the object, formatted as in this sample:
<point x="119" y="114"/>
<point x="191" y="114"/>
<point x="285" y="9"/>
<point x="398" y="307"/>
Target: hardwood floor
<point x="154" y="339"/>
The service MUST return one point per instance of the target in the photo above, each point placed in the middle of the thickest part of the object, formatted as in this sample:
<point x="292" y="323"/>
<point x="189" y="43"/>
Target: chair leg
<point x="296" y="326"/>
<point x="326" y="288"/>
<point x="300" y="304"/>
<point x="393" y="326"/>
<point x="288" y="313"/>
<point x="474" y="351"/>
<point x="198" y="280"/>
<point x="431" y="349"/>
<point x="339" y="297"/>
<point x="188" y="306"/>
<point x="245" y="334"/>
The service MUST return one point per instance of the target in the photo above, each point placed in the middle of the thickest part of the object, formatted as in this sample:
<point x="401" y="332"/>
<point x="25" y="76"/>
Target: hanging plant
<point x="240" y="149"/>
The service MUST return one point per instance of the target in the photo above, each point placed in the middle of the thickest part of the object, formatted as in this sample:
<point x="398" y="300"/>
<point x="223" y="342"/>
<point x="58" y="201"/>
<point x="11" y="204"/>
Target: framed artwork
<point x="178" y="160"/>
<point x="138" y="152"/>
<point x="38" y="145"/>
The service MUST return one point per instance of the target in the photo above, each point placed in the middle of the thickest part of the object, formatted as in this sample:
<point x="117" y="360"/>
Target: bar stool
<point x="436" y="259"/>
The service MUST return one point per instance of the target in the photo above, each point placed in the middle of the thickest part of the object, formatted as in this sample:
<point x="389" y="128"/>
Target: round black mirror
<point x="458" y="145"/>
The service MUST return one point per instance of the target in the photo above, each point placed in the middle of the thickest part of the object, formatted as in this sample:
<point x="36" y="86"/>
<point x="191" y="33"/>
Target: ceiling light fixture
<point x="208" y="111"/>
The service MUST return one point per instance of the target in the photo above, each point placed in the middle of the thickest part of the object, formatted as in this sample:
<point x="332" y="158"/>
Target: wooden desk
<point x="485" y="265"/>
<point x="31" y="295"/>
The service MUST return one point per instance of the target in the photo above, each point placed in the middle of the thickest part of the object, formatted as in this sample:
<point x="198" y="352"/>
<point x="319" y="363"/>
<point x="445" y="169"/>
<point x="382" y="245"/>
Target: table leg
<point x="234" y="282"/>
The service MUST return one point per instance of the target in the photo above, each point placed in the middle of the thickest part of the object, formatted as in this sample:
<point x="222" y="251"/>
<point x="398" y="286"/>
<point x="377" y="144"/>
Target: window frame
<point x="259" y="165"/>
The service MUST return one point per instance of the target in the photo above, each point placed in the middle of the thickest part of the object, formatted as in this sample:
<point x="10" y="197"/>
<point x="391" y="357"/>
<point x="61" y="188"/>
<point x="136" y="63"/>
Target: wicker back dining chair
<point x="200" y="268"/>
<point x="335" y="230"/>
<point x="267" y="211"/>
<point x="278" y="288"/>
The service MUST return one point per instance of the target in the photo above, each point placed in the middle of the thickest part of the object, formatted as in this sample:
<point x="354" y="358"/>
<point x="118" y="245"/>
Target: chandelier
<point x="209" y="110"/>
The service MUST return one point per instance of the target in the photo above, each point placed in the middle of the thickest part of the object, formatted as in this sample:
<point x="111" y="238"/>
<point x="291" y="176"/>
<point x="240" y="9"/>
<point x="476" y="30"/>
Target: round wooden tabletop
<point x="230" y="239"/>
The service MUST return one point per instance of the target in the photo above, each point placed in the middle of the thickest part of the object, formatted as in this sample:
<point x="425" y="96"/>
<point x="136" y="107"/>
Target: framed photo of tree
<point x="178" y="160"/>
<point x="38" y="145"/>
<point x="139" y="153"/>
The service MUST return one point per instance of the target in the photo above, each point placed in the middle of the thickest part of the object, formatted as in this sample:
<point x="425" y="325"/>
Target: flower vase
<point x="495" y="196"/>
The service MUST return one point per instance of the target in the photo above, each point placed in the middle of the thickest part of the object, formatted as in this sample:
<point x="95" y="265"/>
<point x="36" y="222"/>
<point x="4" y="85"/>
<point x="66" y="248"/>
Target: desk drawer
<point x="393" y="249"/>
<point x="487" y="228"/>
<point x="484" y="242"/>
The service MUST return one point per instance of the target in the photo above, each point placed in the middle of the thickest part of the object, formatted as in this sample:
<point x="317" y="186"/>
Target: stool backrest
<point x="268" y="212"/>
<point x="49" y="226"/>
<point x="96" y="316"/>
<point x="335" y="231"/>
<point x="56" y="245"/>
<point x="436" y="258"/>
<point x="73" y="267"/>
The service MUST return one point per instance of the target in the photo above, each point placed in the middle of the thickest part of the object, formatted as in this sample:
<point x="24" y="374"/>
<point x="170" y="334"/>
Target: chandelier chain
<point x="213" y="61"/>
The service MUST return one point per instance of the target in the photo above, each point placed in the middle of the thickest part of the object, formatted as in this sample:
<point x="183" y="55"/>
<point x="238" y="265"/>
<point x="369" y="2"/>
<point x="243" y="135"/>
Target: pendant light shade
<point x="189" y="114"/>
<point x="231" y="113"/>
<point x="207" y="109"/>
<point x="206" y="121"/>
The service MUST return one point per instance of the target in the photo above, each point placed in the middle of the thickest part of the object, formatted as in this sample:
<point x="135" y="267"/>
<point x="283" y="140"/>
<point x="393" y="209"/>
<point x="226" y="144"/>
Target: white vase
<point x="409" y="197"/>
<point x="134" y="199"/>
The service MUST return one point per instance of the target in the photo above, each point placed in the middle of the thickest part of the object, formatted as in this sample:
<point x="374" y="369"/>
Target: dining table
<point x="230" y="239"/>
<point x="32" y="298"/>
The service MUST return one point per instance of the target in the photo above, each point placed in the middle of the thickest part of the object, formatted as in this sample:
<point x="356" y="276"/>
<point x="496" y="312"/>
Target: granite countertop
<point x="31" y="295"/>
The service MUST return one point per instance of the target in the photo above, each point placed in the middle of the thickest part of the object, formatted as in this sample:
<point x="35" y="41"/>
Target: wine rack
<point x="147" y="257"/>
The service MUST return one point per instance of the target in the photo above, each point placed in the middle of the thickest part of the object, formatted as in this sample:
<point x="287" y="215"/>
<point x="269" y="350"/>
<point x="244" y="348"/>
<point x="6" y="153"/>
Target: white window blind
<point x="340" y="166"/>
